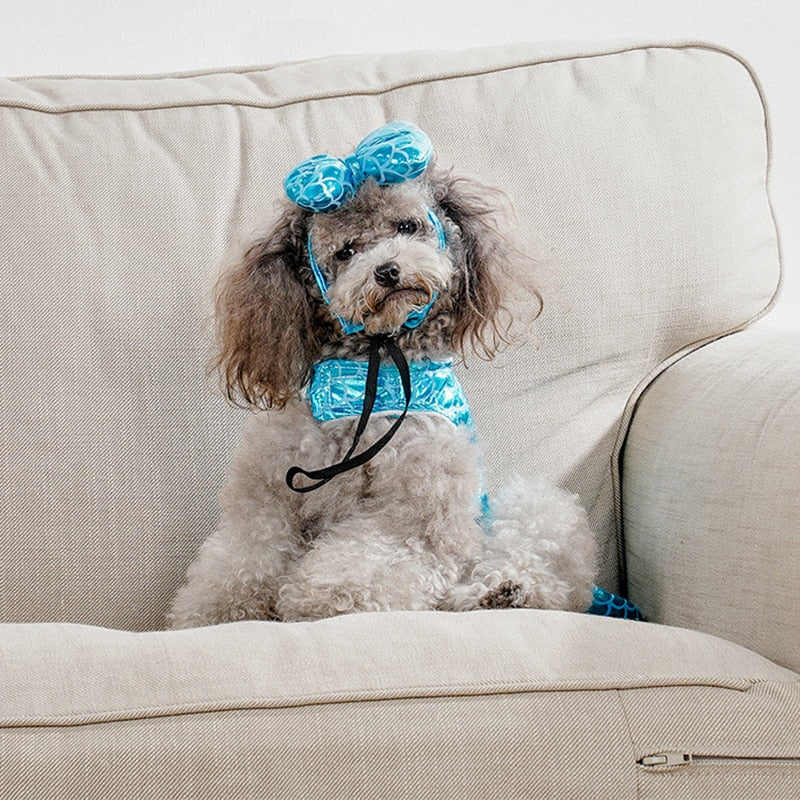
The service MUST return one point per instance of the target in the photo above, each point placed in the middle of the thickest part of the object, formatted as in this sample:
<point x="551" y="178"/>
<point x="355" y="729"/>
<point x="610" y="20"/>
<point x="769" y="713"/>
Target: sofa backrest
<point x="639" y="178"/>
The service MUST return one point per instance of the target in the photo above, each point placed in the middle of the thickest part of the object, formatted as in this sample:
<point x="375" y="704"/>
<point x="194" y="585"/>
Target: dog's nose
<point x="387" y="274"/>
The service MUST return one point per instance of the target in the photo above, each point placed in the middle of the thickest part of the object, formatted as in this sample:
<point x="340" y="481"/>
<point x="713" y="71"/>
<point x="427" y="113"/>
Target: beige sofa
<point x="640" y="178"/>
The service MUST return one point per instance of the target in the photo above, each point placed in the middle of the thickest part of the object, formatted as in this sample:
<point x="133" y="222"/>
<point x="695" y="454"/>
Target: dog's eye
<point x="346" y="253"/>
<point x="407" y="227"/>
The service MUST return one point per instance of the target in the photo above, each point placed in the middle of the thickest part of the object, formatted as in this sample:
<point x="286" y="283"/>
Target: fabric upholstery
<point x="518" y="703"/>
<point x="639" y="176"/>
<point x="710" y="487"/>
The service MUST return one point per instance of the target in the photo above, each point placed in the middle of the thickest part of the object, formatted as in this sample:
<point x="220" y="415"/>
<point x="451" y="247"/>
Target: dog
<point x="380" y="262"/>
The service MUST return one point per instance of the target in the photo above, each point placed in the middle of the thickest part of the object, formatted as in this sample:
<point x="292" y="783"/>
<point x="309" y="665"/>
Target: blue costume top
<point x="337" y="390"/>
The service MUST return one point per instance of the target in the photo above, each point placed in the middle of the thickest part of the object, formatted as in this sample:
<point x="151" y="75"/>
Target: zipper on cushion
<point x="677" y="759"/>
<point x="665" y="760"/>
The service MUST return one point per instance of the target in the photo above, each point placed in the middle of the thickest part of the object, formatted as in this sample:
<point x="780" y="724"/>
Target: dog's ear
<point x="491" y="267"/>
<point x="265" y="325"/>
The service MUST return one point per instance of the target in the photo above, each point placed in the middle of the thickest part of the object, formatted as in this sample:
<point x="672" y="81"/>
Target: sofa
<point x="654" y="386"/>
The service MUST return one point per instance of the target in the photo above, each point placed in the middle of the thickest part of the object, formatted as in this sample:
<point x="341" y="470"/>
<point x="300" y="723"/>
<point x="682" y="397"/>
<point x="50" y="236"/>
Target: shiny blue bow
<point x="393" y="153"/>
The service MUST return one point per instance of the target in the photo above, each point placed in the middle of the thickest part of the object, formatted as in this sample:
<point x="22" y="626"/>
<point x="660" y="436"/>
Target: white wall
<point x="145" y="36"/>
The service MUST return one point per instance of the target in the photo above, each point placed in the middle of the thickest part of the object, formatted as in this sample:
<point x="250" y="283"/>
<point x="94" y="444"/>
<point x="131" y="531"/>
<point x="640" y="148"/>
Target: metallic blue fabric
<point x="396" y="152"/>
<point x="337" y="390"/>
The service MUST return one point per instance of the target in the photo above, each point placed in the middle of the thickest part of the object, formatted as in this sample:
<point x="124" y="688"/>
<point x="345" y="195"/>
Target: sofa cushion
<point x="414" y="704"/>
<point x="639" y="175"/>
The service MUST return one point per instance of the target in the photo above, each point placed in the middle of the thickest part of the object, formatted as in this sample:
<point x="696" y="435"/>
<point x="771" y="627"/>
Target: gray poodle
<point x="394" y="276"/>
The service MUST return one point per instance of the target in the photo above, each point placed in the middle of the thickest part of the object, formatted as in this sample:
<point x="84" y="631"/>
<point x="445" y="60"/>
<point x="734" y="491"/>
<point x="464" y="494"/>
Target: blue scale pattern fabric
<point x="337" y="390"/>
<point x="606" y="604"/>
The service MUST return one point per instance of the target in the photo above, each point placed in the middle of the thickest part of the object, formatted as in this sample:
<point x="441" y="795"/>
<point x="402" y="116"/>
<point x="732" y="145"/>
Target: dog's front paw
<point x="507" y="595"/>
<point x="490" y="592"/>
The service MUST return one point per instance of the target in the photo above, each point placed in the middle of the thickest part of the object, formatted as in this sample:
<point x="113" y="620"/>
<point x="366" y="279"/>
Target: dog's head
<point x="384" y="256"/>
<point x="423" y="260"/>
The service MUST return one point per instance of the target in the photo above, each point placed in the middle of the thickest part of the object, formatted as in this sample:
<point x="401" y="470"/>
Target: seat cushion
<point x="404" y="705"/>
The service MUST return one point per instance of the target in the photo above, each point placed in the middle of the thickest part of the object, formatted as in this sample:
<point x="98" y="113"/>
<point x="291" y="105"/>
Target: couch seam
<point x="99" y="717"/>
<point x="629" y="731"/>
<point x="354" y="92"/>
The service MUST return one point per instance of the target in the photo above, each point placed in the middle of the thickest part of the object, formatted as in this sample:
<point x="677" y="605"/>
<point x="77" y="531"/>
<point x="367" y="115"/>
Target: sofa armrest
<point x="711" y="493"/>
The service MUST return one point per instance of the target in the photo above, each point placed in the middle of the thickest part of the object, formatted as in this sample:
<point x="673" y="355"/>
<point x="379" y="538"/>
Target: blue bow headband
<point x="393" y="153"/>
<point x="396" y="152"/>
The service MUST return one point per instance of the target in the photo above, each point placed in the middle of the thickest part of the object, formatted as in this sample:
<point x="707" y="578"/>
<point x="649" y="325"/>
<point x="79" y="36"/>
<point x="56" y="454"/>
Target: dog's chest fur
<point x="430" y="463"/>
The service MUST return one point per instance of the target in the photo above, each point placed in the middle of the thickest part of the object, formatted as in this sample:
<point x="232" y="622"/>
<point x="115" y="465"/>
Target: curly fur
<point x="402" y="531"/>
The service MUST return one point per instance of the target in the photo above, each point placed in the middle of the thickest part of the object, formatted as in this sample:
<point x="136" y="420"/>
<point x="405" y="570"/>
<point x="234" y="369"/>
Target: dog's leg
<point x="397" y="534"/>
<point x="237" y="571"/>
<point x="355" y="566"/>
<point x="229" y="580"/>
<point x="220" y="588"/>
<point x="538" y="553"/>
